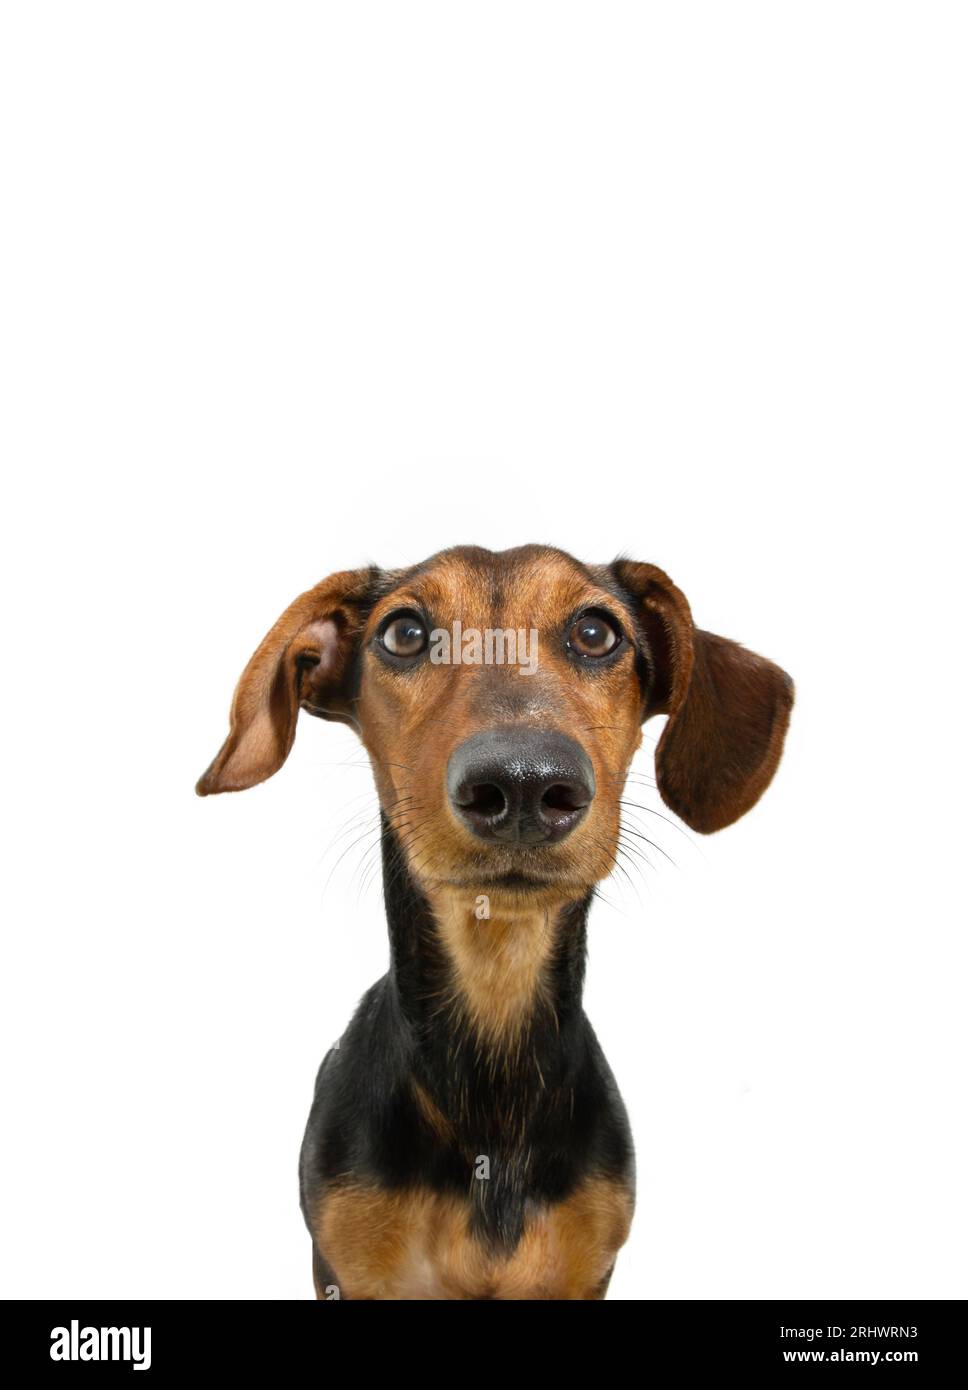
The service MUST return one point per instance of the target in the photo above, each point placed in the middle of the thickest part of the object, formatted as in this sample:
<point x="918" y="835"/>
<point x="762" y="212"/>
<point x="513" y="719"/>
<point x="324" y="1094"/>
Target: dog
<point x="467" y="1139"/>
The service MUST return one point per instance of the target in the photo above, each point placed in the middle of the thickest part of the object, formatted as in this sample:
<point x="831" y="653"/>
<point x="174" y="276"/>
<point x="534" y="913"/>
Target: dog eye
<point x="404" y="635"/>
<point x="593" y="635"/>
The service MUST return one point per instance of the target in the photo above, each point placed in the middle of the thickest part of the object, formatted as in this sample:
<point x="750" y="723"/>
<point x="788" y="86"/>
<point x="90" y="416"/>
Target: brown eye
<point x="404" y="635"/>
<point x="593" y="635"/>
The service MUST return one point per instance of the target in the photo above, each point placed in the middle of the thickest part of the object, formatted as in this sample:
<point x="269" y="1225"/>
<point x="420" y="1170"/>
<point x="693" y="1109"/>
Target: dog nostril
<point x="484" y="799"/>
<point x="563" y="798"/>
<point x="520" y="786"/>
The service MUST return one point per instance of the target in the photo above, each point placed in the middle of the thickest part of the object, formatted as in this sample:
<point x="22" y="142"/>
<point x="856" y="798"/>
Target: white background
<point x="290" y="288"/>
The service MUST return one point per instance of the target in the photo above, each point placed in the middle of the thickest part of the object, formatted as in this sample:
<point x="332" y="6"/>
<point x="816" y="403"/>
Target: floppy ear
<point x="728" y="708"/>
<point x="305" y="660"/>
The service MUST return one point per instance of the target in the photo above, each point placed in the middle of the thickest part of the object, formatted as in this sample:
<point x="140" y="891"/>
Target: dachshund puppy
<point x="467" y="1139"/>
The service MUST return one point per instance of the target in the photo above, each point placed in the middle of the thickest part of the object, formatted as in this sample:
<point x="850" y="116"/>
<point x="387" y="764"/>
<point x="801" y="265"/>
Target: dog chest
<point x="416" y="1244"/>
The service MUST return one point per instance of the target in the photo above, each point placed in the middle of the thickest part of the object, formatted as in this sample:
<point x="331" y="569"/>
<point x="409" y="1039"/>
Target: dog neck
<point x="491" y="1005"/>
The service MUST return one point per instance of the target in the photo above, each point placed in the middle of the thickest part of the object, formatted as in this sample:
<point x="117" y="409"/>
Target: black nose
<point x="520" y="786"/>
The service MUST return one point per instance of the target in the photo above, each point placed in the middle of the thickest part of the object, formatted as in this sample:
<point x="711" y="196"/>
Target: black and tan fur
<point x="474" y="1044"/>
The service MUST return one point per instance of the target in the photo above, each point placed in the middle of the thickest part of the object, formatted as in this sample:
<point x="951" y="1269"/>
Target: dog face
<point x="501" y="697"/>
<point x="500" y="774"/>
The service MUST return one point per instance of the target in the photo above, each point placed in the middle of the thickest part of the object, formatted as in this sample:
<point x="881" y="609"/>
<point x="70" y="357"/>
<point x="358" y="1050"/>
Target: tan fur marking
<point x="436" y="1122"/>
<point x="415" y="1245"/>
<point x="499" y="962"/>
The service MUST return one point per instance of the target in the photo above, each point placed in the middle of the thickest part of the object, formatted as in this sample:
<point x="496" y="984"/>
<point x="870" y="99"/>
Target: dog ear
<point x="728" y="708"/>
<point x="305" y="660"/>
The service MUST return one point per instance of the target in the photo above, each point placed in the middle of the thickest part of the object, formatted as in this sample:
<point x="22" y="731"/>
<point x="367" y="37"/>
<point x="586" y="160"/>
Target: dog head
<point x="500" y="697"/>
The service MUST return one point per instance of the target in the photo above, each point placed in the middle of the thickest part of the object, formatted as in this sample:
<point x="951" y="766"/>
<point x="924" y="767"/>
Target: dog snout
<point x="520" y="786"/>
